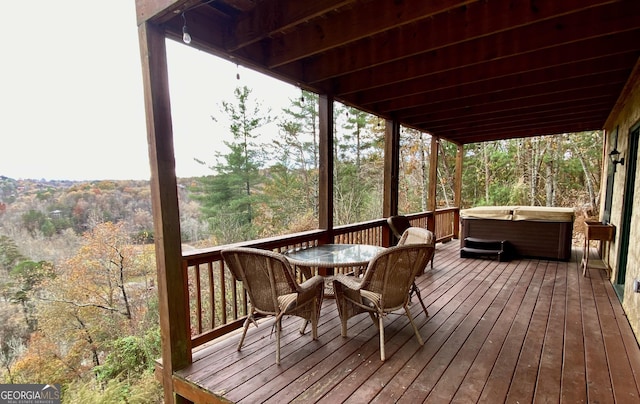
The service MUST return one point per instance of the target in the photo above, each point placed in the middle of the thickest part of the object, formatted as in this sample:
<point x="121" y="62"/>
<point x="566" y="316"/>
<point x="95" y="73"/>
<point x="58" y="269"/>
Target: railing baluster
<point x="212" y="295"/>
<point x="223" y="292"/>
<point x="198" y="298"/>
<point x="234" y="294"/>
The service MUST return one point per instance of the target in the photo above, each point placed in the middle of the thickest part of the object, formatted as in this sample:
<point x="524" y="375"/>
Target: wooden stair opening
<point x="482" y="248"/>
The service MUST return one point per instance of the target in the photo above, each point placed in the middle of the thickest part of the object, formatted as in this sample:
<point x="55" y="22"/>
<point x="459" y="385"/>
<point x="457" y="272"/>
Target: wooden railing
<point x="218" y="303"/>
<point x="446" y="220"/>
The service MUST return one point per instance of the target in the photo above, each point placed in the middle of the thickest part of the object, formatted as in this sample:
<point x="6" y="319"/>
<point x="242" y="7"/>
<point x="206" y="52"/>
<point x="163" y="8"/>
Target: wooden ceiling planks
<point x="464" y="70"/>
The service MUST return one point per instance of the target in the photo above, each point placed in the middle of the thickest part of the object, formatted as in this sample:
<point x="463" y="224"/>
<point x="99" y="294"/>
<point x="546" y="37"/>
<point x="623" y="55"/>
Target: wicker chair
<point x="418" y="235"/>
<point x="269" y="281"/>
<point x="383" y="288"/>
<point x="398" y="225"/>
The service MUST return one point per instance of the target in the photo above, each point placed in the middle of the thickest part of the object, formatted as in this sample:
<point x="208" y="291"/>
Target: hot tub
<point x="531" y="231"/>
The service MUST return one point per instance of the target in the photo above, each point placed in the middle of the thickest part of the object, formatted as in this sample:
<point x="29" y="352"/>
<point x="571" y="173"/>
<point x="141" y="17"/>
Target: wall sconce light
<point x="615" y="158"/>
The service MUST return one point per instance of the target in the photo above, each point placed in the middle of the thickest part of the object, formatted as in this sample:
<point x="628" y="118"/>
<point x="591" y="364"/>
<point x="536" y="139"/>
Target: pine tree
<point x="230" y="196"/>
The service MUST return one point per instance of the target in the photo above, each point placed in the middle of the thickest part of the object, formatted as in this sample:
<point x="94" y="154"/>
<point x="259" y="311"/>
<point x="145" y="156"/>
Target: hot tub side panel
<point x="535" y="239"/>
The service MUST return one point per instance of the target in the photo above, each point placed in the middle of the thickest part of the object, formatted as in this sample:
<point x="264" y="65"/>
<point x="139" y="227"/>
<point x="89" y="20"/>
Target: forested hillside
<point x="77" y="265"/>
<point x="77" y="288"/>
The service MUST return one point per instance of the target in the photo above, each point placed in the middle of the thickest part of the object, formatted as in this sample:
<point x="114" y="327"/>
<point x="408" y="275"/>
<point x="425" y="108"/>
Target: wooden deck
<point x="518" y="332"/>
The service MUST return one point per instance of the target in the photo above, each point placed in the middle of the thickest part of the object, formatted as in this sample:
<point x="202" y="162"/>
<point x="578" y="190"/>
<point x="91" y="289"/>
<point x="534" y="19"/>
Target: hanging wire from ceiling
<point x="186" y="37"/>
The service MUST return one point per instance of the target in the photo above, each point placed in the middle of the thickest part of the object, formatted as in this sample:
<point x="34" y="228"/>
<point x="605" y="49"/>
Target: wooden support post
<point x="433" y="183"/>
<point x="457" y="186"/>
<point x="391" y="174"/>
<point x="325" y="212"/>
<point x="172" y="282"/>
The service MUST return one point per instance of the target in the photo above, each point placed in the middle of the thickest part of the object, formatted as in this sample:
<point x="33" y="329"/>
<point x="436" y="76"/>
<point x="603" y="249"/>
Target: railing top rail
<point x="370" y="224"/>
<point x="447" y="209"/>
<point x="203" y="255"/>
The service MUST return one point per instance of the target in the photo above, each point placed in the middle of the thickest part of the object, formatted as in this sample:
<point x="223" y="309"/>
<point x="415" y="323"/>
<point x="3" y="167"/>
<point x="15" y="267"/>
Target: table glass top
<point x="334" y="255"/>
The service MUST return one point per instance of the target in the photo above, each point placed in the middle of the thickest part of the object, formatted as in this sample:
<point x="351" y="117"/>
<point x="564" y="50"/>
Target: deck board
<point x="573" y="388"/>
<point x="521" y="331"/>
<point x="478" y="348"/>
<point x="484" y="312"/>
<point x="550" y="368"/>
<point x="622" y="379"/>
<point x="510" y="332"/>
<point x="515" y="372"/>
<point x="599" y="386"/>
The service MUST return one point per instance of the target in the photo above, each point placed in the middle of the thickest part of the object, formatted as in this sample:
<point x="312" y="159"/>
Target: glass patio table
<point x="327" y="257"/>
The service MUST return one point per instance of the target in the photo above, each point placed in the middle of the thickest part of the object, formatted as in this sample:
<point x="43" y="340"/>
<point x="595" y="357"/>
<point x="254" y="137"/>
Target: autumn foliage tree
<point x="98" y="296"/>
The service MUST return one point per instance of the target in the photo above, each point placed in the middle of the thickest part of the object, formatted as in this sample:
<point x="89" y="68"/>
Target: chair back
<point x="417" y="235"/>
<point x="392" y="272"/>
<point x="398" y="224"/>
<point x="265" y="275"/>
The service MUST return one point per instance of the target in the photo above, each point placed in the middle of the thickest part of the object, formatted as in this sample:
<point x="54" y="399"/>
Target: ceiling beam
<point x="512" y="48"/>
<point x="544" y="59"/>
<point x="160" y="11"/>
<point x="522" y="122"/>
<point x="274" y="16"/>
<point x="541" y="130"/>
<point x="604" y="92"/>
<point x="465" y="24"/>
<point x="377" y="16"/>
<point x="550" y="91"/>
<point x="590" y="110"/>
<point x="595" y="68"/>
<point x="539" y="114"/>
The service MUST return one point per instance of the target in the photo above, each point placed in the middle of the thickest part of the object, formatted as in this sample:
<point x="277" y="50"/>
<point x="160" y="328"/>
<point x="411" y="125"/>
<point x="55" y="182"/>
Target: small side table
<point x="595" y="231"/>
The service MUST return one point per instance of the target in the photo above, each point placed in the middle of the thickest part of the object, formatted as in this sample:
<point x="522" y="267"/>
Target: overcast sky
<point x="72" y="101"/>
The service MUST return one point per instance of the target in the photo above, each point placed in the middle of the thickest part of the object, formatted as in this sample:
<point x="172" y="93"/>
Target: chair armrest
<point x="349" y="282"/>
<point x="312" y="282"/>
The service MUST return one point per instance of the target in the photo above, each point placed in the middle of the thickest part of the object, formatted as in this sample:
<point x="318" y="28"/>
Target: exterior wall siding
<point x="625" y="118"/>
